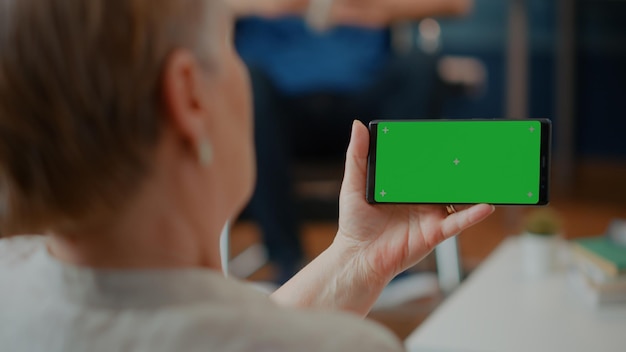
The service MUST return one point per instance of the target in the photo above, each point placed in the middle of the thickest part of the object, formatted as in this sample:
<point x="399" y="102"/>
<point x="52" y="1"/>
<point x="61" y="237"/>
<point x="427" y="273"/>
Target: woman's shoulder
<point x="18" y="249"/>
<point x="269" y="327"/>
<point x="335" y="331"/>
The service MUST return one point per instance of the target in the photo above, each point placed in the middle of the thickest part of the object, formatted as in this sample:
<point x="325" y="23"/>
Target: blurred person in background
<point x="126" y="143"/>
<point x="308" y="86"/>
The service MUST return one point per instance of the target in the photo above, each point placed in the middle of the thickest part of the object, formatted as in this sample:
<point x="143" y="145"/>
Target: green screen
<point x="458" y="162"/>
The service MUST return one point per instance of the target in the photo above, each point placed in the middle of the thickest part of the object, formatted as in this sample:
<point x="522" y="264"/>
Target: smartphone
<point x="500" y="162"/>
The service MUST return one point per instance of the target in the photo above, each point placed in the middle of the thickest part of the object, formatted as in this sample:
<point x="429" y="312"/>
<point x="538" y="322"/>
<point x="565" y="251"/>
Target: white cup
<point x="538" y="255"/>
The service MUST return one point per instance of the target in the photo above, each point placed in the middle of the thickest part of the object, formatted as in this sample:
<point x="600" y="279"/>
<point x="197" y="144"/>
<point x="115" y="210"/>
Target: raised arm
<point x="268" y="8"/>
<point x="356" y="12"/>
<point x="385" y="12"/>
<point x="374" y="242"/>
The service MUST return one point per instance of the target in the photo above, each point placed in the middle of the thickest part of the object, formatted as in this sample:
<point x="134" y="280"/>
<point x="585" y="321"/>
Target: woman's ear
<point x="183" y="90"/>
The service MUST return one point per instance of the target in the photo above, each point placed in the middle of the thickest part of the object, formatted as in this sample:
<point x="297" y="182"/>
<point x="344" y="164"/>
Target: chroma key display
<point x="459" y="161"/>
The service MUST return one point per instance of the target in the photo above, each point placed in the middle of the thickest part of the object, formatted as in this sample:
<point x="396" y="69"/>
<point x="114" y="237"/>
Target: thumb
<point x="356" y="159"/>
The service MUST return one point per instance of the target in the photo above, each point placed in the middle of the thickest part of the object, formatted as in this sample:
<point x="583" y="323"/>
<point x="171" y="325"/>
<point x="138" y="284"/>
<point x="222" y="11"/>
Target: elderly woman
<point x="125" y="140"/>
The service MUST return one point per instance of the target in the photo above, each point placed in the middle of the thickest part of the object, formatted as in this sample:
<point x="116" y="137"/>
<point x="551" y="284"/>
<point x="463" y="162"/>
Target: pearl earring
<point x="205" y="153"/>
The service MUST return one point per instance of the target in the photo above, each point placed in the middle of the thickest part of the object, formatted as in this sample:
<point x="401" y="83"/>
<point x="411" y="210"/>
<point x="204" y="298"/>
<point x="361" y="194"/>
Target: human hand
<point x="385" y="240"/>
<point x="366" y="13"/>
<point x="267" y="8"/>
<point x="349" y="12"/>
<point x="373" y="244"/>
<point x="382" y="13"/>
<point x="323" y="14"/>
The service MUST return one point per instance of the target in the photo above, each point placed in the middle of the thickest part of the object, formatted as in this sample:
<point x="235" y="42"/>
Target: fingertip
<point x="483" y="210"/>
<point x="478" y="212"/>
<point x="359" y="141"/>
<point x="491" y="207"/>
<point x="353" y="131"/>
<point x="356" y="125"/>
<point x="360" y="132"/>
<point x="356" y="159"/>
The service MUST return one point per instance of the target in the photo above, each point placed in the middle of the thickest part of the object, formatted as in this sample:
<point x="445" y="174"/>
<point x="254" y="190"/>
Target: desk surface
<point x="497" y="309"/>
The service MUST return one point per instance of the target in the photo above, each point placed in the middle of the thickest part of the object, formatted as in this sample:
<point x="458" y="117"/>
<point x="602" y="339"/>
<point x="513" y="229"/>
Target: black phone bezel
<point x="544" y="160"/>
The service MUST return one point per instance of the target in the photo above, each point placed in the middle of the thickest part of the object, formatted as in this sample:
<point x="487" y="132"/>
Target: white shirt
<point x="46" y="305"/>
